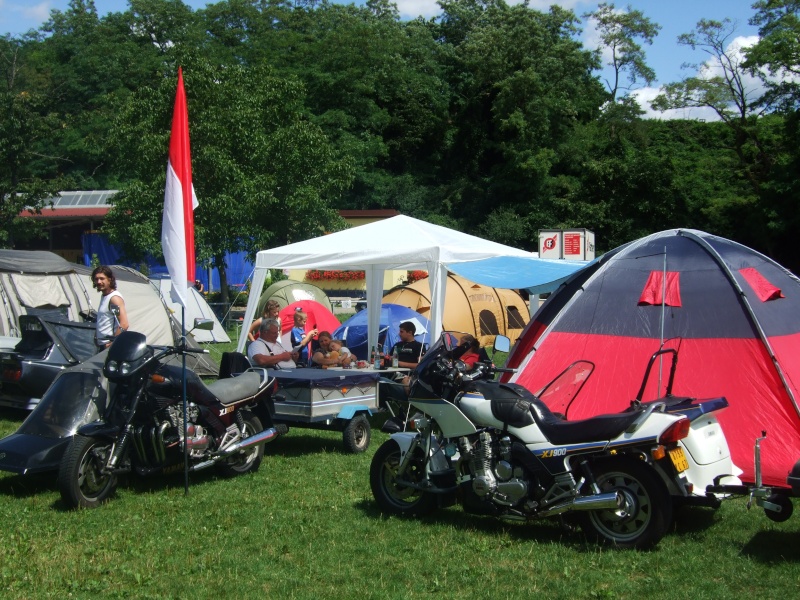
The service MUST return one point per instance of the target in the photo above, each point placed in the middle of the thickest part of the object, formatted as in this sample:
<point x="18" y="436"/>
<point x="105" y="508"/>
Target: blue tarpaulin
<point x="536" y="275"/>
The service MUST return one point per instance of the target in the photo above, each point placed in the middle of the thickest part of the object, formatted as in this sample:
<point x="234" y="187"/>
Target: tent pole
<point x="663" y="319"/>
<point x="753" y="319"/>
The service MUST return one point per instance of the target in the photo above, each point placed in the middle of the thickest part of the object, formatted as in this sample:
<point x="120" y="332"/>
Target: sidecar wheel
<point x="248" y="460"/>
<point x="646" y="512"/>
<point x="357" y="434"/>
<point x="80" y="478"/>
<point x="395" y="498"/>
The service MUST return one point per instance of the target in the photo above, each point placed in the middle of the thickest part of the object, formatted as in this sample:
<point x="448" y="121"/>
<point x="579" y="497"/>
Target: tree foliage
<point x="264" y="175"/>
<point x="490" y="118"/>
<point x="619" y="31"/>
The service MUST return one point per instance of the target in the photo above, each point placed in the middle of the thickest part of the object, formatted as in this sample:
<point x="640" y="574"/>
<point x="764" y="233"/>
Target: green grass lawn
<point x="305" y="526"/>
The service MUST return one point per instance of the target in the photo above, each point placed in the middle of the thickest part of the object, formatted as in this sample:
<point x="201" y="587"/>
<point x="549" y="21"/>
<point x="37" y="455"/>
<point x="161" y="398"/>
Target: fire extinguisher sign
<point x="550" y="243"/>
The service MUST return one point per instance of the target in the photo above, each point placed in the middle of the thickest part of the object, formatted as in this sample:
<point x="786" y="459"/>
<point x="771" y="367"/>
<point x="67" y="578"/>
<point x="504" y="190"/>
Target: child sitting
<point x="342" y="353"/>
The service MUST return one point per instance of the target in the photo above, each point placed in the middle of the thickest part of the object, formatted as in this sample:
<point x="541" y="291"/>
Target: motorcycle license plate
<point x="678" y="459"/>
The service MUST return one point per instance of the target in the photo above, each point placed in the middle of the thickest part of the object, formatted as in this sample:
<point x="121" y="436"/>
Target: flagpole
<point x="185" y="408"/>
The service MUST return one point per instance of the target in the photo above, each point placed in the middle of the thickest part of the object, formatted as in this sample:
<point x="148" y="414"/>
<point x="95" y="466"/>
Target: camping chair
<point x="232" y="363"/>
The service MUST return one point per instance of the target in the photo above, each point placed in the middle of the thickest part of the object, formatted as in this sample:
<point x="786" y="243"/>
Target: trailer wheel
<point x="785" y="503"/>
<point x="356" y="434"/>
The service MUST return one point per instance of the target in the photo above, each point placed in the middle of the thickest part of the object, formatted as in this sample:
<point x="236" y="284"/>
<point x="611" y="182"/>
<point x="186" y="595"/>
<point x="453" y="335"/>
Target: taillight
<point x="12" y="373"/>
<point x="677" y="431"/>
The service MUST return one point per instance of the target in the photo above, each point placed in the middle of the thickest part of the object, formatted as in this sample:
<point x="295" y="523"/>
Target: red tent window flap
<point x="653" y="291"/>
<point x="763" y="288"/>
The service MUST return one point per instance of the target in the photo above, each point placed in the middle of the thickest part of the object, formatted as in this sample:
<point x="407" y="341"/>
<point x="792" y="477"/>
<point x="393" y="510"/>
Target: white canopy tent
<point x="397" y="243"/>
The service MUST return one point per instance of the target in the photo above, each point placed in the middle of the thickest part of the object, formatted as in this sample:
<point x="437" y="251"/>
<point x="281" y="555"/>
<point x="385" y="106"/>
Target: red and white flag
<point x="177" y="229"/>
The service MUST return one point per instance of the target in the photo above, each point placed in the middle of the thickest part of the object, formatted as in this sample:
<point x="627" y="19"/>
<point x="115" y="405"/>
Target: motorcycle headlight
<point x="125" y="368"/>
<point x="112" y="366"/>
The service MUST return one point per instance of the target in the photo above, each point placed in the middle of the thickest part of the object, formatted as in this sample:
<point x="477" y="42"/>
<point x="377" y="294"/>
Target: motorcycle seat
<point x="236" y="388"/>
<point x="516" y="407"/>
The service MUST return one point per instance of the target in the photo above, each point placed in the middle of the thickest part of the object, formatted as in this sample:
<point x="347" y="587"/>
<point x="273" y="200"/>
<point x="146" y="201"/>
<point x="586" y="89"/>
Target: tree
<point x="721" y="84"/>
<point x="619" y="31"/>
<point x="724" y="84"/>
<point x="264" y="175"/>
<point x="28" y="179"/>
<point x="778" y="50"/>
<point x="520" y="86"/>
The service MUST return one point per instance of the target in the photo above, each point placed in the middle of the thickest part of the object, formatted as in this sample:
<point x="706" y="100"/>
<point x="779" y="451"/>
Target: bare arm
<point x="319" y="359"/>
<point x="307" y="337"/>
<point x="122" y="317"/>
<point x="253" y="328"/>
<point x="270" y="360"/>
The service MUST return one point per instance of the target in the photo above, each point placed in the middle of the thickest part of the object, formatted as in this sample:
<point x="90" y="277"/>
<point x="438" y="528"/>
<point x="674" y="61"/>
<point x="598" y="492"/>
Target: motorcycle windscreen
<point x="75" y="398"/>
<point x="559" y="394"/>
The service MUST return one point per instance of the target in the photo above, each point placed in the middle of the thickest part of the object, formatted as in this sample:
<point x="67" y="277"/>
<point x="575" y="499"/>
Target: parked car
<point x="49" y="344"/>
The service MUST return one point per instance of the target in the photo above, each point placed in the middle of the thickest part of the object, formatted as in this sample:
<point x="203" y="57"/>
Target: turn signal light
<point x="156" y="378"/>
<point x="677" y="431"/>
<point x="658" y="452"/>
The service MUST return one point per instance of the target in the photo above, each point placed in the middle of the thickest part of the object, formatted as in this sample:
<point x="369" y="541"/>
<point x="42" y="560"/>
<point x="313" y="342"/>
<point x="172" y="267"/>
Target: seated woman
<point x="472" y="351"/>
<point x="323" y="356"/>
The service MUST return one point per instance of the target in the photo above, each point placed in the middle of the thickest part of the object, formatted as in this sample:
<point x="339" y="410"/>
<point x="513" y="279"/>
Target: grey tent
<point x="38" y="282"/>
<point x="287" y="291"/>
<point x="197" y="308"/>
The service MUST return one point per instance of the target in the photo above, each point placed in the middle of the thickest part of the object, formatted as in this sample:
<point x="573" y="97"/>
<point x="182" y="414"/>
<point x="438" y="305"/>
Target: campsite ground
<point x="305" y="526"/>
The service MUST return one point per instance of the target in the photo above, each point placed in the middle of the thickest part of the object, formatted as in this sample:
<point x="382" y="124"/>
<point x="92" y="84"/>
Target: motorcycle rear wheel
<point x="647" y="511"/>
<point x="80" y="477"/>
<point x="395" y="498"/>
<point x="248" y="460"/>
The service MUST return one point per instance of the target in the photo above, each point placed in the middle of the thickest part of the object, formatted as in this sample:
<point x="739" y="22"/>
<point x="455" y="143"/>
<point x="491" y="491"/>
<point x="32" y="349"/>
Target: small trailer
<point x="335" y="398"/>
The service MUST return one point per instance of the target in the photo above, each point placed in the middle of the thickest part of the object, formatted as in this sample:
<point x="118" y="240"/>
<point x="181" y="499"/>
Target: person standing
<point x="109" y="325"/>
<point x="272" y="310"/>
<point x="300" y="338"/>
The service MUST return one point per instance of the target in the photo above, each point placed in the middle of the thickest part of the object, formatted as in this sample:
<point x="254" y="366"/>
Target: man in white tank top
<point x="109" y="325"/>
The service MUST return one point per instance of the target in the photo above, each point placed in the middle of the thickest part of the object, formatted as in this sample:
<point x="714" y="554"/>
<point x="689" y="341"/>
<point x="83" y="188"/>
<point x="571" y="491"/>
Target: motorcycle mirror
<point x="114" y="309"/>
<point x="502" y="344"/>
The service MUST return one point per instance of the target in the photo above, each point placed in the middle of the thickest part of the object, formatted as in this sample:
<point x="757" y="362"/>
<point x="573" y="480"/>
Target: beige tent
<point x="469" y="307"/>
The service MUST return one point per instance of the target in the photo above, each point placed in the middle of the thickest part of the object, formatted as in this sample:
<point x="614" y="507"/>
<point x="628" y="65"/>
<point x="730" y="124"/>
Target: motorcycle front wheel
<point x="646" y="510"/>
<point x="394" y="497"/>
<point x="249" y="459"/>
<point x="81" y="479"/>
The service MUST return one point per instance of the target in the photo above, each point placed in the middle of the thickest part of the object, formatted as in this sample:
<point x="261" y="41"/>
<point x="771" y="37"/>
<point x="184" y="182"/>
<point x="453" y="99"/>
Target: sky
<point x="665" y="56"/>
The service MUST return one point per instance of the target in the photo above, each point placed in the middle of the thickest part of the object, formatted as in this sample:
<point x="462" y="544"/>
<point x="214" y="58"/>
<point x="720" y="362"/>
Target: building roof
<point x="69" y="205"/>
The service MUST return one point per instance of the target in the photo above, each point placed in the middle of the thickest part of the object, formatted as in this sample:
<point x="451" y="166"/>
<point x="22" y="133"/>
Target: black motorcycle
<point x="142" y="429"/>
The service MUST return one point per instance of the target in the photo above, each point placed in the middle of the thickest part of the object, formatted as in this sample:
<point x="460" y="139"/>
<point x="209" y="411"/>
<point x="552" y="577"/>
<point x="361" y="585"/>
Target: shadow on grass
<point x="774" y="547"/>
<point x="688" y="520"/>
<point x="156" y="483"/>
<point x="24" y="486"/>
<point x="546" y="531"/>
<point x="295" y="444"/>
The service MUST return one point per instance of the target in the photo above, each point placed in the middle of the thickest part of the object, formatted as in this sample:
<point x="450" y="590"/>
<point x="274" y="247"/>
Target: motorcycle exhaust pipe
<point x="254" y="440"/>
<point x="609" y="501"/>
